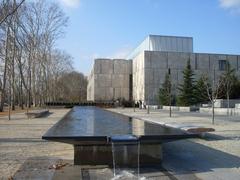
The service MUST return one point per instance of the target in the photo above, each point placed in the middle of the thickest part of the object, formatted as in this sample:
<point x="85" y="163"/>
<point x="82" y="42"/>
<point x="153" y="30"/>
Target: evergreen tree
<point x="187" y="89"/>
<point x="201" y="94"/>
<point x="235" y="93"/>
<point x="164" y="92"/>
<point x="230" y="81"/>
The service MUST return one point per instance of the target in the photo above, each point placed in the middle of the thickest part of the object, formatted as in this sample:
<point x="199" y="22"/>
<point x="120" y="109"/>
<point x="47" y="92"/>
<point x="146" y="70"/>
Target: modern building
<point x="110" y="80"/>
<point x="140" y="76"/>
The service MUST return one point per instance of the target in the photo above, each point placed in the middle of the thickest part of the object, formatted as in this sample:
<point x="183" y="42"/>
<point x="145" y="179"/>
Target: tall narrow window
<point x="222" y="65"/>
<point x="130" y="87"/>
<point x="196" y="61"/>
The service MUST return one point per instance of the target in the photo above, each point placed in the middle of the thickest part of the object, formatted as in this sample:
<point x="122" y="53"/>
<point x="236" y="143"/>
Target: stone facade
<point x="150" y="68"/>
<point x="151" y="60"/>
<point x="110" y="80"/>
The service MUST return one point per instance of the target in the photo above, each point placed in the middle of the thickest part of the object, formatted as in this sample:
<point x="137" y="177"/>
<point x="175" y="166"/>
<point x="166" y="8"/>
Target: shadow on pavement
<point x="184" y="157"/>
<point x="181" y="160"/>
<point x="36" y="168"/>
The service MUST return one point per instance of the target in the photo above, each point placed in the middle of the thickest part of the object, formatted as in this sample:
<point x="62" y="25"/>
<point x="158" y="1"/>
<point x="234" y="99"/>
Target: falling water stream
<point x="138" y="166"/>
<point x="125" y="173"/>
<point x="113" y="157"/>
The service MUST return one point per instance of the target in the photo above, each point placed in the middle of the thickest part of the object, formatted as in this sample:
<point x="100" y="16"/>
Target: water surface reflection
<point x="93" y="121"/>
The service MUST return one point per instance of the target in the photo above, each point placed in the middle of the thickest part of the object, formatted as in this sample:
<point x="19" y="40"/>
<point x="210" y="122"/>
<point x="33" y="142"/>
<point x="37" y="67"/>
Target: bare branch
<point x="12" y="12"/>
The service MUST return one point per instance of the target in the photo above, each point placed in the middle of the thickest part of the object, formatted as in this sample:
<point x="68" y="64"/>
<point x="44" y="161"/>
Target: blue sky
<point x="112" y="28"/>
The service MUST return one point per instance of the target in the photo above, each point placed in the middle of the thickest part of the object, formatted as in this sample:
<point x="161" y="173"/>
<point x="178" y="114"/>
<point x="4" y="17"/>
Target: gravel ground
<point x="24" y="155"/>
<point x="21" y="143"/>
<point x="219" y="150"/>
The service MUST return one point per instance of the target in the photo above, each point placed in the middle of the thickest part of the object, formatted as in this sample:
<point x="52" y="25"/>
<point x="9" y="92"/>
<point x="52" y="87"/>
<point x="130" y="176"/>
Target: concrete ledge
<point x="223" y="103"/>
<point x="153" y="107"/>
<point x="221" y="111"/>
<point x="190" y="128"/>
<point x="174" y="108"/>
<point x="37" y="113"/>
<point x="181" y="108"/>
<point x="188" y="108"/>
<point x="237" y="106"/>
<point x="199" y="129"/>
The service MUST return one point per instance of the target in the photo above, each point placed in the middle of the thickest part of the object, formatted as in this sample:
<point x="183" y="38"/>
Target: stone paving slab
<point x="21" y="143"/>
<point x="217" y="156"/>
<point x="24" y="155"/>
<point x="223" y="124"/>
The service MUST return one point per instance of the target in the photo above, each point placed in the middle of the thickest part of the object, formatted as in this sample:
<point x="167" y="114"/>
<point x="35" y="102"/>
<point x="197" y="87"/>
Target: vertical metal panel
<point x="164" y="43"/>
<point x="171" y="43"/>
<point x="142" y="47"/>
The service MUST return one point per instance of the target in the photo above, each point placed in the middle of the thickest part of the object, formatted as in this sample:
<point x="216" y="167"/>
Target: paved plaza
<point x="24" y="155"/>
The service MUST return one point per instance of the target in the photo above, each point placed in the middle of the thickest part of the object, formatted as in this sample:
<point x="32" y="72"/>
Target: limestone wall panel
<point x="118" y="81"/>
<point x="232" y="61"/>
<point x="203" y="61"/>
<point x="117" y="93"/>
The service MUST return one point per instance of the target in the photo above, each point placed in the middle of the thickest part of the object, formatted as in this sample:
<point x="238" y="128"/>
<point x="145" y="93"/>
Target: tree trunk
<point x="213" y="112"/>
<point x="21" y="95"/>
<point x="228" y="105"/>
<point x="5" y="72"/>
<point x="9" y="104"/>
<point x="29" y="93"/>
<point x="13" y="80"/>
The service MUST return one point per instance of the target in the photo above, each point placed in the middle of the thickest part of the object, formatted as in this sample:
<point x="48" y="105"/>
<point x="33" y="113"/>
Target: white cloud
<point x="70" y="3"/>
<point x="233" y="5"/>
<point x="122" y="52"/>
<point x="94" y="56"/>
<point x="87" y="57"/>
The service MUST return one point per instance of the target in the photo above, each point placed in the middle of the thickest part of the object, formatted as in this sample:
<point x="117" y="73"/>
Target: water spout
<point x="138" y="166"/>
<point x="113" y="157"/>
<point x="124" y="143"/>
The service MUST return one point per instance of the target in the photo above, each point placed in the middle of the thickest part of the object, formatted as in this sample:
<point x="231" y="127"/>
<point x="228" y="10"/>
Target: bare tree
<point x="32" y="70"/>
<point x="41" y="26"/>
<point x="7" y="12"/>
<point x="228" y="79"/>
<point x="213" y="90"/>
<point x="72" y="87"/>
<point x="29" y="64"/>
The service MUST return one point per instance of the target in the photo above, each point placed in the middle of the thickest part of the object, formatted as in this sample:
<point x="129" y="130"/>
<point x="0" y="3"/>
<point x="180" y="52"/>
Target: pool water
<point x="86" y="123"/>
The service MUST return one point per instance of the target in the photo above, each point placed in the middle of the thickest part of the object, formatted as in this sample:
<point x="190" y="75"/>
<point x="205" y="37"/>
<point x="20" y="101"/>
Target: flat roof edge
<point x="206" y="53"/>
<point x="153" y="35"/>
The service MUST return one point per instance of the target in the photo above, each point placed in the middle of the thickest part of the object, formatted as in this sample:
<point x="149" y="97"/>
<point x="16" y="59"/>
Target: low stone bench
<point x="182" y="108"/>
<point x="192" y="129"/>
<point x="37" y="113"/>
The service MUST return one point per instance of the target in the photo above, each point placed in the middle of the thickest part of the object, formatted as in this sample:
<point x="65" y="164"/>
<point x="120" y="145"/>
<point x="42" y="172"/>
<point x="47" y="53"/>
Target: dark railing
<point x="86" y="103"/>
